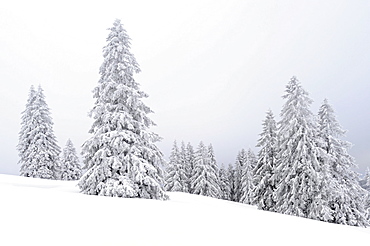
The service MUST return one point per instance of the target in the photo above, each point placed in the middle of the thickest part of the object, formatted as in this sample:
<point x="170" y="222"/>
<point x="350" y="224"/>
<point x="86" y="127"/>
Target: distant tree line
<point x="303" y="168"/>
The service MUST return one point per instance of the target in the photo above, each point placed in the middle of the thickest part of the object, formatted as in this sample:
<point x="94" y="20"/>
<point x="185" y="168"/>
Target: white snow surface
<point x="49" y="212"/>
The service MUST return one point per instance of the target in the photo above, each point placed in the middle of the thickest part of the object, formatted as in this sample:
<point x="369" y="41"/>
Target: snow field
<point x="51" y="212"/>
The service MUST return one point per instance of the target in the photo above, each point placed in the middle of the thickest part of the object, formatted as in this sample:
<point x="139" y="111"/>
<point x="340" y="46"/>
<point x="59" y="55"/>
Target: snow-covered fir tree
<point x="347" y="200"/>
<point x="176" y="178"/>
<point x="204" y="180"/>
<point x="264" y="184"/>
<point x="38" y="149"/>
<point x="186" y="166"/>
<point x="121" y="157"/>
<point x="299" y="174"/>
<point x="224" y="183"/>
<point x="215" y="171"/>
<point x="70" y="168"/>
<point x="189" y="167"/>
<point x="231" y="177"/>
<point x="241" y="161"/>
<point x="365" y="182"/>
<point x="246" y="182"/>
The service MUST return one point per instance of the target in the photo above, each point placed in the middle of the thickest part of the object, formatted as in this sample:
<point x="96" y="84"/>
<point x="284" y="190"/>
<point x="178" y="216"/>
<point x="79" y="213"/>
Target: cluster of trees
<point x="121" y="158"/>
<point x="303" y="168"/>
<point x="195" y="172"/>
<point x="40" y="155"/>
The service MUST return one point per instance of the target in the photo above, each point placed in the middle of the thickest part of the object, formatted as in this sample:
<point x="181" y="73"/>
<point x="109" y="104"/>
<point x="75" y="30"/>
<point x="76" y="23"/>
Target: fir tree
<point x="38" y="149"/>
<point x="176" y="176"/>
<point x="224" y="183"/>
<point x="365" y="182"/>
<point x="204" y="179"/>
<point x="347" y="200"/>
<point x="246" y="182"/>
<point x="300" y="189"/>
<point x="185" y="165"/>
<point x="121" y="157"/>
<point x="189" y="167"/>
<point x="214" y="170"/>
<point x="241" y="161"/>
<point x="266" y="163"/>
<point x="231" y="178"/>
<point x="69" y="163"/>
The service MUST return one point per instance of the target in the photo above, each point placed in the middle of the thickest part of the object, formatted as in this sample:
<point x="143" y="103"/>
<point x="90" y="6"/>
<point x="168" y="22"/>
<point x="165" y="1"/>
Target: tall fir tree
<point x="176" y="178"/>
<point x="70" y="168"/>
<point x="299" y="174"/>
<point x="38" y="149"/>
<point x="204" y="178"/>
<point x="121" y="157"/>
<point x="266" y="164"/>
<point x="347" y="200"/>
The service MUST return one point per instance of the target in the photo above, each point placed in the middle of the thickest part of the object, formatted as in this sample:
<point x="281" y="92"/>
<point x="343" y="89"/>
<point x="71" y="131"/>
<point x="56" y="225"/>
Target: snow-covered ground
<point x="47" y="212"/>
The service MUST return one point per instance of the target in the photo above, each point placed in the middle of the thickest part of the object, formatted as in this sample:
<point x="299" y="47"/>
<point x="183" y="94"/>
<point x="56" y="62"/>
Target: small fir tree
<point x="224" y="183"/>
<point x="38" y="149"/>
<point x="241" y="161"/>
<point x="121" y="157"/>
<point x="246" y="184"/>
<point x="189" y="167"/>
<point x="214" y="170"/>
<point x="70" y="165"/>
<point x="185" y="165"/>
<point x="265" y="185"/>
<point x="365" y="182"/>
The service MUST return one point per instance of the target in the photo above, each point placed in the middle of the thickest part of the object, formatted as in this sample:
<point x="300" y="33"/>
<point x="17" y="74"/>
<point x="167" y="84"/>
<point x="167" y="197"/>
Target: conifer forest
<point x="302" y="167"/>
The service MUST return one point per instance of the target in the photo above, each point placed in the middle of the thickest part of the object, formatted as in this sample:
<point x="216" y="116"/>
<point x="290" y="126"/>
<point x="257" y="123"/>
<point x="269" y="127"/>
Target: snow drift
<point x="51" y="212"/>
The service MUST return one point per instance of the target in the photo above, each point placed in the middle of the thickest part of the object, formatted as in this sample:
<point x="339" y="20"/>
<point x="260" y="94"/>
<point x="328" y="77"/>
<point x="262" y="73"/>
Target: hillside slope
<point x="47" y="212"/>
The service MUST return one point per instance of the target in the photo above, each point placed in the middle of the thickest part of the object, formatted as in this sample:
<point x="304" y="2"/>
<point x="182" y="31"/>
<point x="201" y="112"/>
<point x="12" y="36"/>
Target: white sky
<point x="211" y="68"/>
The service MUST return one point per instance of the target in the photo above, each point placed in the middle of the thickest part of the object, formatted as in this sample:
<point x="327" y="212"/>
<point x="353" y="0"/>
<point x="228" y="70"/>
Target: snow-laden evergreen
<point x="347" y="200"/>
<point x="231" y="177"/>
<point x="70" y="168"/>
<point x="185" y="165"/>
<point x="365" y="182"/>
<point x="37" y="148"/>
<point x="247" y="182"/>
<point x="176" y="178"/>
<point x="241" y="161"/>
<point x="214" y="168"/>
<point x="121" y="157"/>
<point x="266" y="163"/>
<point x="299" y="174"/>
<point x="224" y="183"/>
<point x="204" y="180"/>
<point x="189" y="167"/>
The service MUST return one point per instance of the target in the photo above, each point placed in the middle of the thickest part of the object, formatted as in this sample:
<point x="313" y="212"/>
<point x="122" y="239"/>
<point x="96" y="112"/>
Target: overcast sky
<point x="211" y="68"/>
